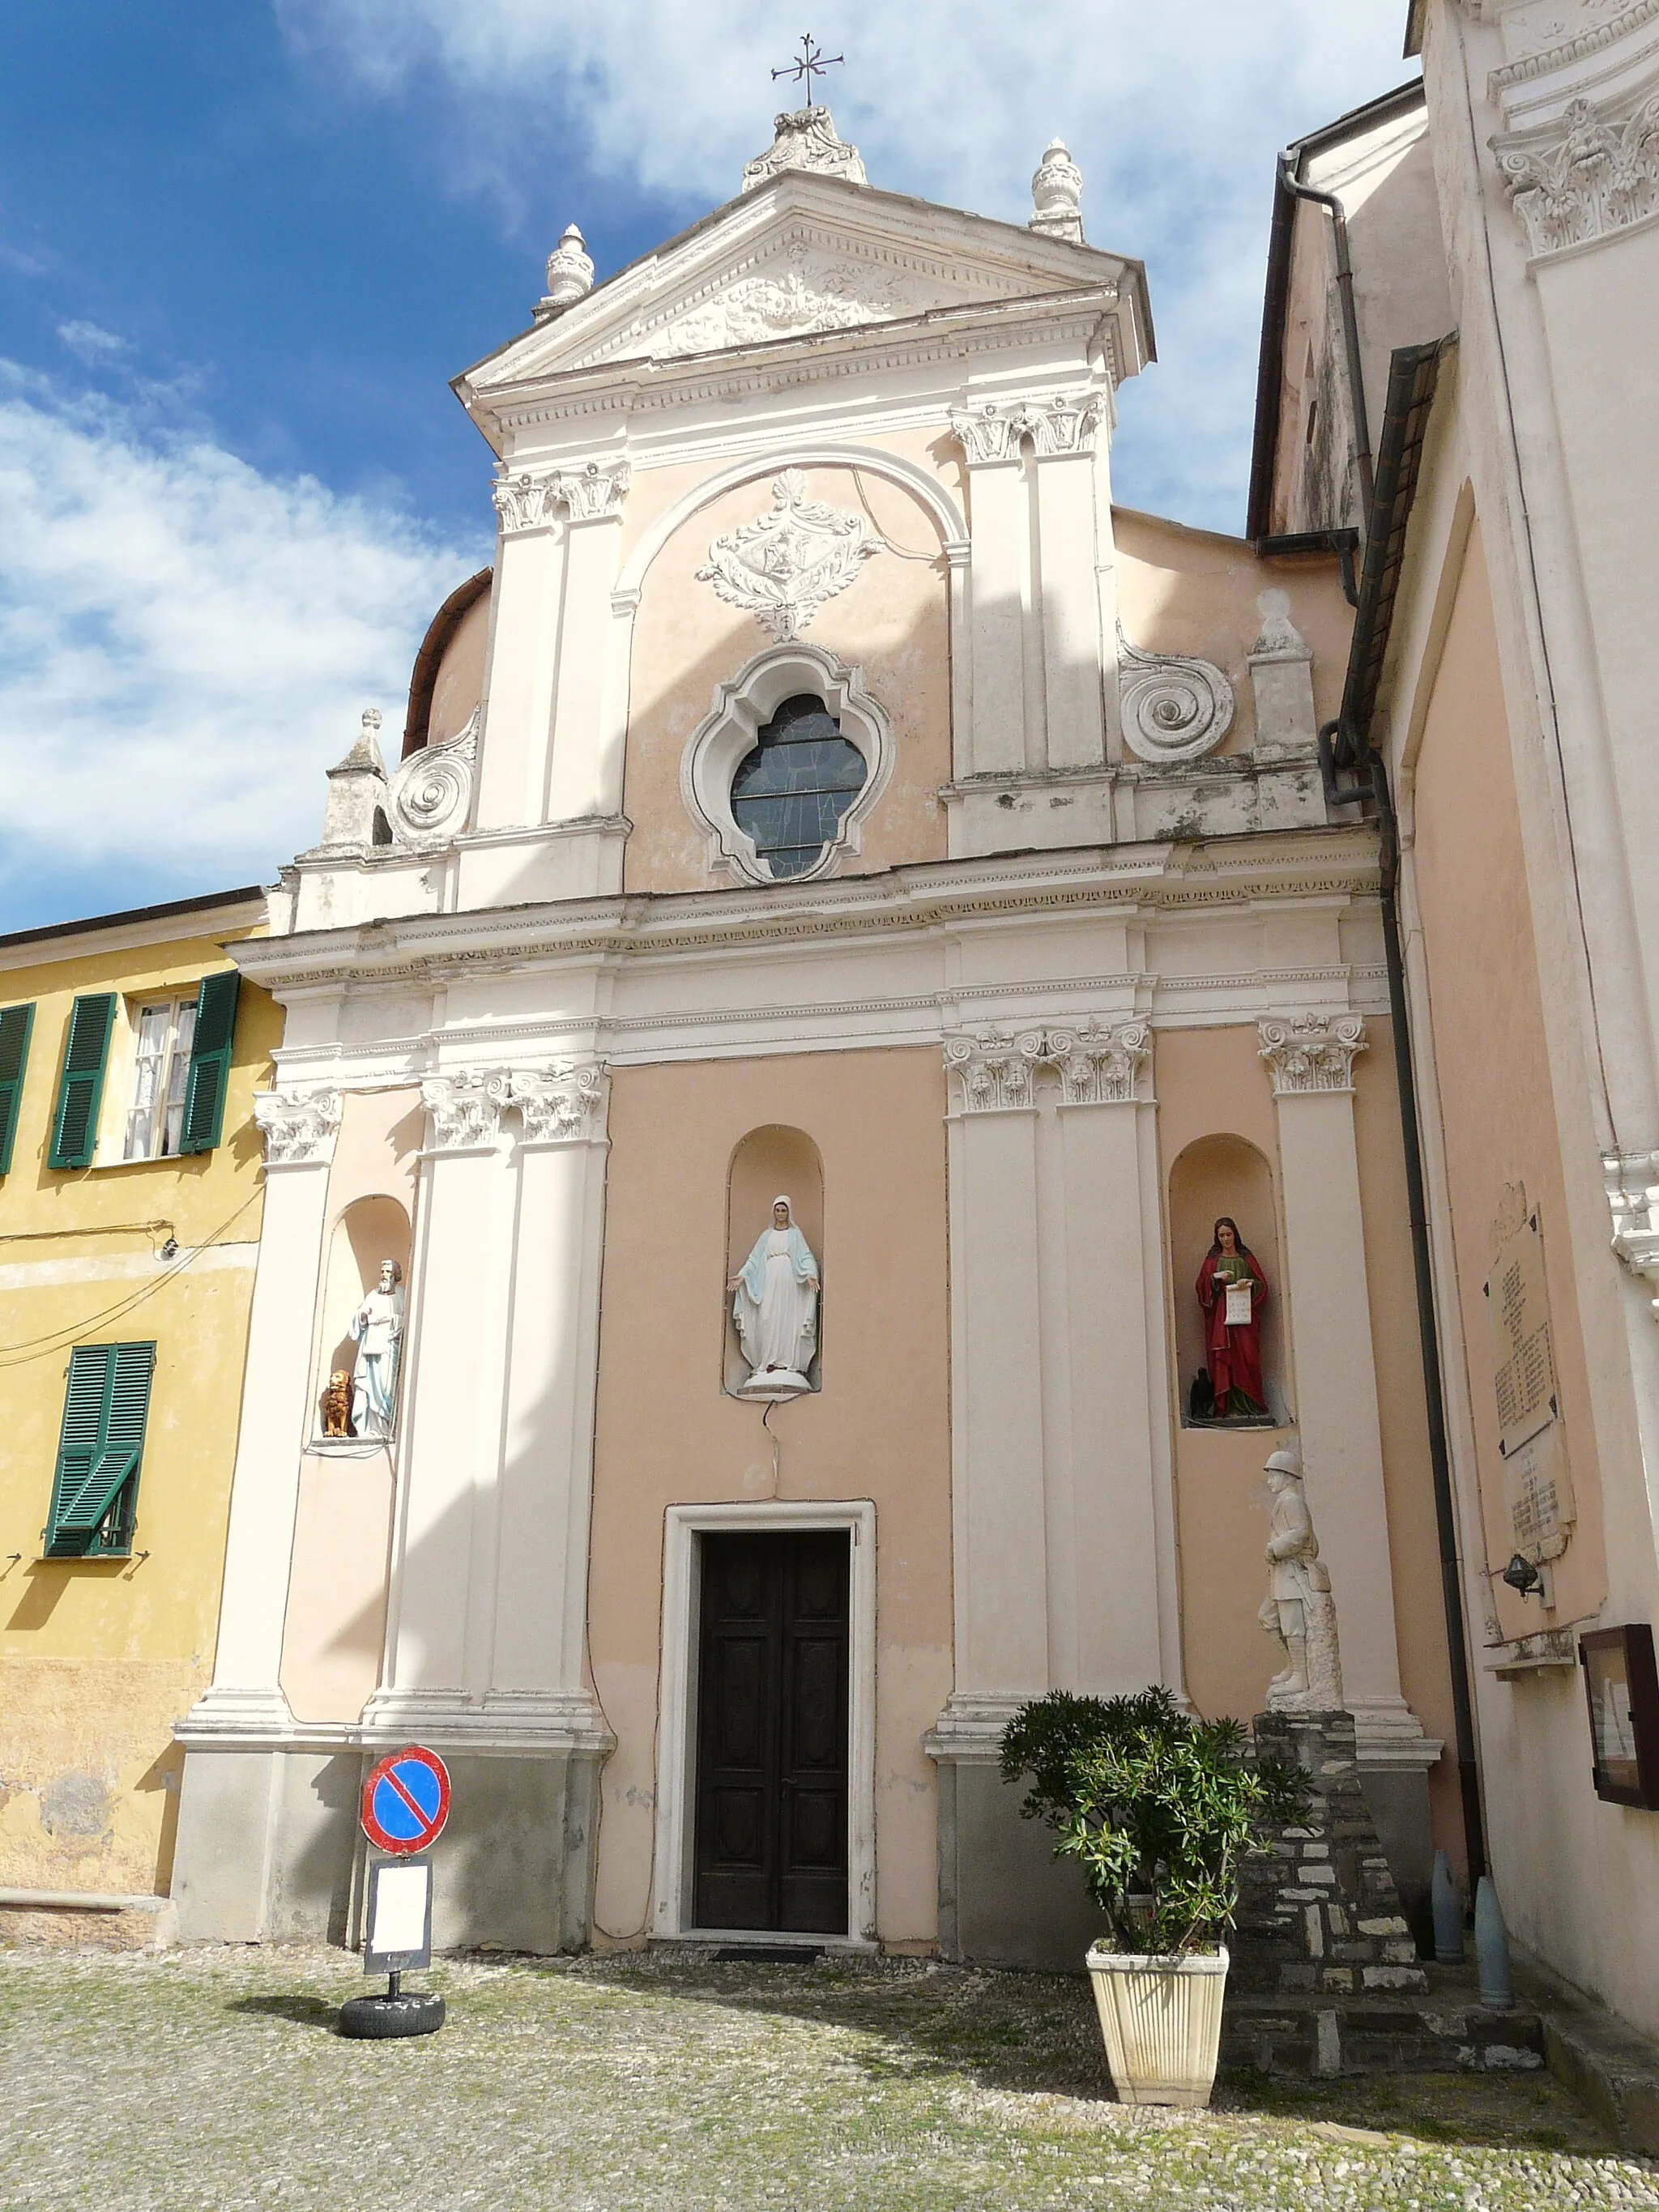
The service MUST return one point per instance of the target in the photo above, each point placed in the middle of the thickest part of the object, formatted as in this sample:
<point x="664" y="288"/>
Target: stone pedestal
<point x="1320" y="1910"/>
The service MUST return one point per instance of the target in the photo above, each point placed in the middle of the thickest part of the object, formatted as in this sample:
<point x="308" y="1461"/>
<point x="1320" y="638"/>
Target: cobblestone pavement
<point x="213" y="2080"/>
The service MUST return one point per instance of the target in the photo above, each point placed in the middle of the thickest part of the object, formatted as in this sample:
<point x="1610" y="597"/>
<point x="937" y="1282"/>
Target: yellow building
<point x="130" y="1196"/>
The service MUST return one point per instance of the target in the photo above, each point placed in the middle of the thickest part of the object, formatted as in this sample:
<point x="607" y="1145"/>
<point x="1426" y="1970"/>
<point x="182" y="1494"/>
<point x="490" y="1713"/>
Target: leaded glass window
<point x="790" y="793"/>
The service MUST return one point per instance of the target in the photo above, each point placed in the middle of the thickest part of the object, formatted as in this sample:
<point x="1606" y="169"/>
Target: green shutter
<point x="210" y="1062"/>
<point x="15" y="1024"/>
<point x="81" y="1086"/>
<point x="95" y="1484"/>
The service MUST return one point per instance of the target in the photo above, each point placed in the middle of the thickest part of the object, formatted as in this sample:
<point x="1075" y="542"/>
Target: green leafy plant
<point x="1158" y="1810"/>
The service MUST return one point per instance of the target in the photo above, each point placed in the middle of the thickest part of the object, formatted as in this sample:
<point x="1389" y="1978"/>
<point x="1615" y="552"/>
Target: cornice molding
<point x="1317" y="865"/>
<point x="1527" y="67"/>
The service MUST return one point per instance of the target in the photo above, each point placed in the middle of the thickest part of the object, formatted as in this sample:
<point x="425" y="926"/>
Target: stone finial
<point x="805" y="140"/>
<point x="569" y="273"/>
<point x="1057" y="195"/>
<point x="357" y="791"/>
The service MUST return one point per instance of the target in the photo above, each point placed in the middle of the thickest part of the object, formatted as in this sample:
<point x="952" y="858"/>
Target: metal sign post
<point x="404" y="1805"/>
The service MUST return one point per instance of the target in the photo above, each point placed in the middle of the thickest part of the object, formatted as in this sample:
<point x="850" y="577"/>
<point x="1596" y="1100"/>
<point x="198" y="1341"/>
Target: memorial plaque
<point x="1537" y="1479"/>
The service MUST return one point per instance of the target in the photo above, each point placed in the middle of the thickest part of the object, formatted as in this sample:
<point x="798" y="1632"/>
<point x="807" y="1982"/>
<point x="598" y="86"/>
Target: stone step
<point x="1444" y="2029"/>
<point x="78" y="1919"/>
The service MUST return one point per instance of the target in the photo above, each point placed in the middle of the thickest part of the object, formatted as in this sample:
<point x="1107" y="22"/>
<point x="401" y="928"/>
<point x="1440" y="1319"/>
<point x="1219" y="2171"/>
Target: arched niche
<point x="771" y="1161"/>
<point x="1214" y="1176"/>
<point x="369" y="1231"/>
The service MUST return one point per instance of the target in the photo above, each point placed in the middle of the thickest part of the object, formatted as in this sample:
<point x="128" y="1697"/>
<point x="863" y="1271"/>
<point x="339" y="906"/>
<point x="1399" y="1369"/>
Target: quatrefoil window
<point x="791" y="792"/>
<point x="785" y="771"/>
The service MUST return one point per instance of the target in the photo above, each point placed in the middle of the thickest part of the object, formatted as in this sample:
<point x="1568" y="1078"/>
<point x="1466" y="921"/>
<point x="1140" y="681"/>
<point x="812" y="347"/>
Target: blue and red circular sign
<point x="406" y="1800"/>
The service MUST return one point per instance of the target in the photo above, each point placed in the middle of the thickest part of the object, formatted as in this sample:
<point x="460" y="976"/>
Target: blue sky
<point x="244" y="245"/>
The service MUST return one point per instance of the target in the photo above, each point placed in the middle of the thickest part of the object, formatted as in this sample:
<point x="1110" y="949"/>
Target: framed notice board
<point x="1622" y="1686"/>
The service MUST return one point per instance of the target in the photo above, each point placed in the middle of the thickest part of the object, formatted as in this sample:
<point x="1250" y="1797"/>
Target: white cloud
<point x="186" y="645"/>
<point x="89" y="343"/>
<point x="1174" y="113"/>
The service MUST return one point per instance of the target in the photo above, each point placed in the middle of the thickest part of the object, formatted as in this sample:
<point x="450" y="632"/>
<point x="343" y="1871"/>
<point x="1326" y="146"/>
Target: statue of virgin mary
<point x="775" y="1307"/>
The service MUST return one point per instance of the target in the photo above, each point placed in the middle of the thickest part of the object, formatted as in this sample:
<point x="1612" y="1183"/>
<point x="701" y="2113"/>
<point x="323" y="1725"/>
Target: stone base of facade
<point x="269" y="1848"/>
<point x="1004" y="1899"/>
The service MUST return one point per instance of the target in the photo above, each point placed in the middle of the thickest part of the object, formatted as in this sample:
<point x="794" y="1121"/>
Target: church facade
<point x="829" y="797"/>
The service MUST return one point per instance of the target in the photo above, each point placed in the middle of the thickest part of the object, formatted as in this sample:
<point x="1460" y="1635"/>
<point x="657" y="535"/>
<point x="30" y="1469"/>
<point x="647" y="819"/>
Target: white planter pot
<point x="1161" y="2018"/>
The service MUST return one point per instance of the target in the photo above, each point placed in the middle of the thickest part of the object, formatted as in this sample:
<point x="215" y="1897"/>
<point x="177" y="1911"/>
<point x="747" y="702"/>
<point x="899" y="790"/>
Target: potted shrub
<point x="1158" y="1810"/>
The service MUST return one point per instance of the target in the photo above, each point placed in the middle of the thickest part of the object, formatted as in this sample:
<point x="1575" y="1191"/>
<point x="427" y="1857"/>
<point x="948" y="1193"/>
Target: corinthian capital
<point x="563" y="1104"/>
<point x="1058" y="422"/>
<point x="299" y="1127"/>
<point x="1312" y="1052"/>
<point x="464" y="1111"/>
<point x="1098" y="1064"/>
<point x="592" y="493"/>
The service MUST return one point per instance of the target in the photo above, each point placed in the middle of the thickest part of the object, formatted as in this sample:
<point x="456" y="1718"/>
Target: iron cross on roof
<point x="814" y="63"/>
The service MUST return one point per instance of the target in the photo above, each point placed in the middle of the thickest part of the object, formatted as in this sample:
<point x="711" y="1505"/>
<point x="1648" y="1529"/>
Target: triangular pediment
<point x="803" y="256"/>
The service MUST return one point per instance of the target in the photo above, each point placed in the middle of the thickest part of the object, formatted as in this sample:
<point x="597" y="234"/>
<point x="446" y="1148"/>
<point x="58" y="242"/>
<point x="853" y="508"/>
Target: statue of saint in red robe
<point x="1233" y="1339"/>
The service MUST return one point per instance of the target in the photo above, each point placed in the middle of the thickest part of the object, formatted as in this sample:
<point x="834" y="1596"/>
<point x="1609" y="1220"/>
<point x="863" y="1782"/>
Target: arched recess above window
<point x="785" y="675"/>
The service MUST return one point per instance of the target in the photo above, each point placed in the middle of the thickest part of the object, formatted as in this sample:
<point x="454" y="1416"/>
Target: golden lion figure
<point x="337" y="1405"/>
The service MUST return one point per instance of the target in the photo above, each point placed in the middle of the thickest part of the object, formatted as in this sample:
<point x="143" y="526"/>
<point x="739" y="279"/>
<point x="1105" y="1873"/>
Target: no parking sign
<point x="406" y="1801"/>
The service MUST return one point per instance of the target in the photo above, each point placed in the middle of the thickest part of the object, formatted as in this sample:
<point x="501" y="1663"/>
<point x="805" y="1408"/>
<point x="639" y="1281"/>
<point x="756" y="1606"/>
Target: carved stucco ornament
<point x="564" y="1103"/>
<point x="465" y="1109"/>
<point x="1058" y="422"/>
<point x="1312" y="1052"/>
<point x="1631" y="1181"/>
<point x="429" y="803"/>
<point x="804" y="291"/>
<point x="299" y="1127"/>
<point x="1175" y="706"/>
<point x="1590" y="178"/>
<point x="1057" y="195"/>
<point x="806" y="139"/>
<point x="592" y="493"/>
<point x="1097" y="1064"/>
<point x="783" y="567"/>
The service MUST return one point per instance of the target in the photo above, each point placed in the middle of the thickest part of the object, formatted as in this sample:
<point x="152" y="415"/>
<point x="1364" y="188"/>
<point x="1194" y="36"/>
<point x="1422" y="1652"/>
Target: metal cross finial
<point x="814" y="63"/>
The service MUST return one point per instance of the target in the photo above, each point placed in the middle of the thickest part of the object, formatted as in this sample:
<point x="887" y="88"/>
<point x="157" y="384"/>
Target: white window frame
<point x="671" y="1903"/>
<point x="729" y="732"/>
<point x="134" y="1008"/>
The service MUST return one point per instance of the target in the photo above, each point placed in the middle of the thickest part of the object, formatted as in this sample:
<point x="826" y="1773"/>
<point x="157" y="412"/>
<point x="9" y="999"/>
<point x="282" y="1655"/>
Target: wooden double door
<point x="772" y="1733"/>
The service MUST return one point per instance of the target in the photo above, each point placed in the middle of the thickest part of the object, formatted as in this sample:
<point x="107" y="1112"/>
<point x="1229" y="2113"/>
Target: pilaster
<point x="1063" y="1501"/>
<point x="300" y="1130"/>
<point x="1310" y="1057"/>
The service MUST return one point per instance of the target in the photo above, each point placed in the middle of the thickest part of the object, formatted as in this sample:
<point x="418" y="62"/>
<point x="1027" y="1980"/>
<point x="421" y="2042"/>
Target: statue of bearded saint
<point x="377" y="1330"/>
<point x="775" y="1306"/>
<point x="1298" y="1608"/>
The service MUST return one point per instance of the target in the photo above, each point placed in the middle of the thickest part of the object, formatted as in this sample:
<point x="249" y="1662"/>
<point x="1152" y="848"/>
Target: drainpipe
<point x="1333" y="207"/>
<point x="1366" y="757"/>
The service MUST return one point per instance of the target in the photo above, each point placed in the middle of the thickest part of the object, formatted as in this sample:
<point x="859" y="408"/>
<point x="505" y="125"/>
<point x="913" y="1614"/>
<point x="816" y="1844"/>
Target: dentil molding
<point x="1061" y="422"/>
<point x="1098" y="1065"/>
<point x="593" y="493"/>
<point x="1175" y="706"/>
<point x="299" y="1127"/>
<point x="1312" y="1052"/>
<point x="782" y="568"/>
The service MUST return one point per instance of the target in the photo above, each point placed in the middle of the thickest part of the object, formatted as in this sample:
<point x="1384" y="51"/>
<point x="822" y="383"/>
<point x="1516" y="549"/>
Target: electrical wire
<point x="36" y="1347"/>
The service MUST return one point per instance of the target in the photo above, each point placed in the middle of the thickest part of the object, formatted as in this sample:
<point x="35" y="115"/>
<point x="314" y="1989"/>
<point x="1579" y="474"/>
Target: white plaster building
<point x="1062" y="954"/>
<point x="1504" y="668"/>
